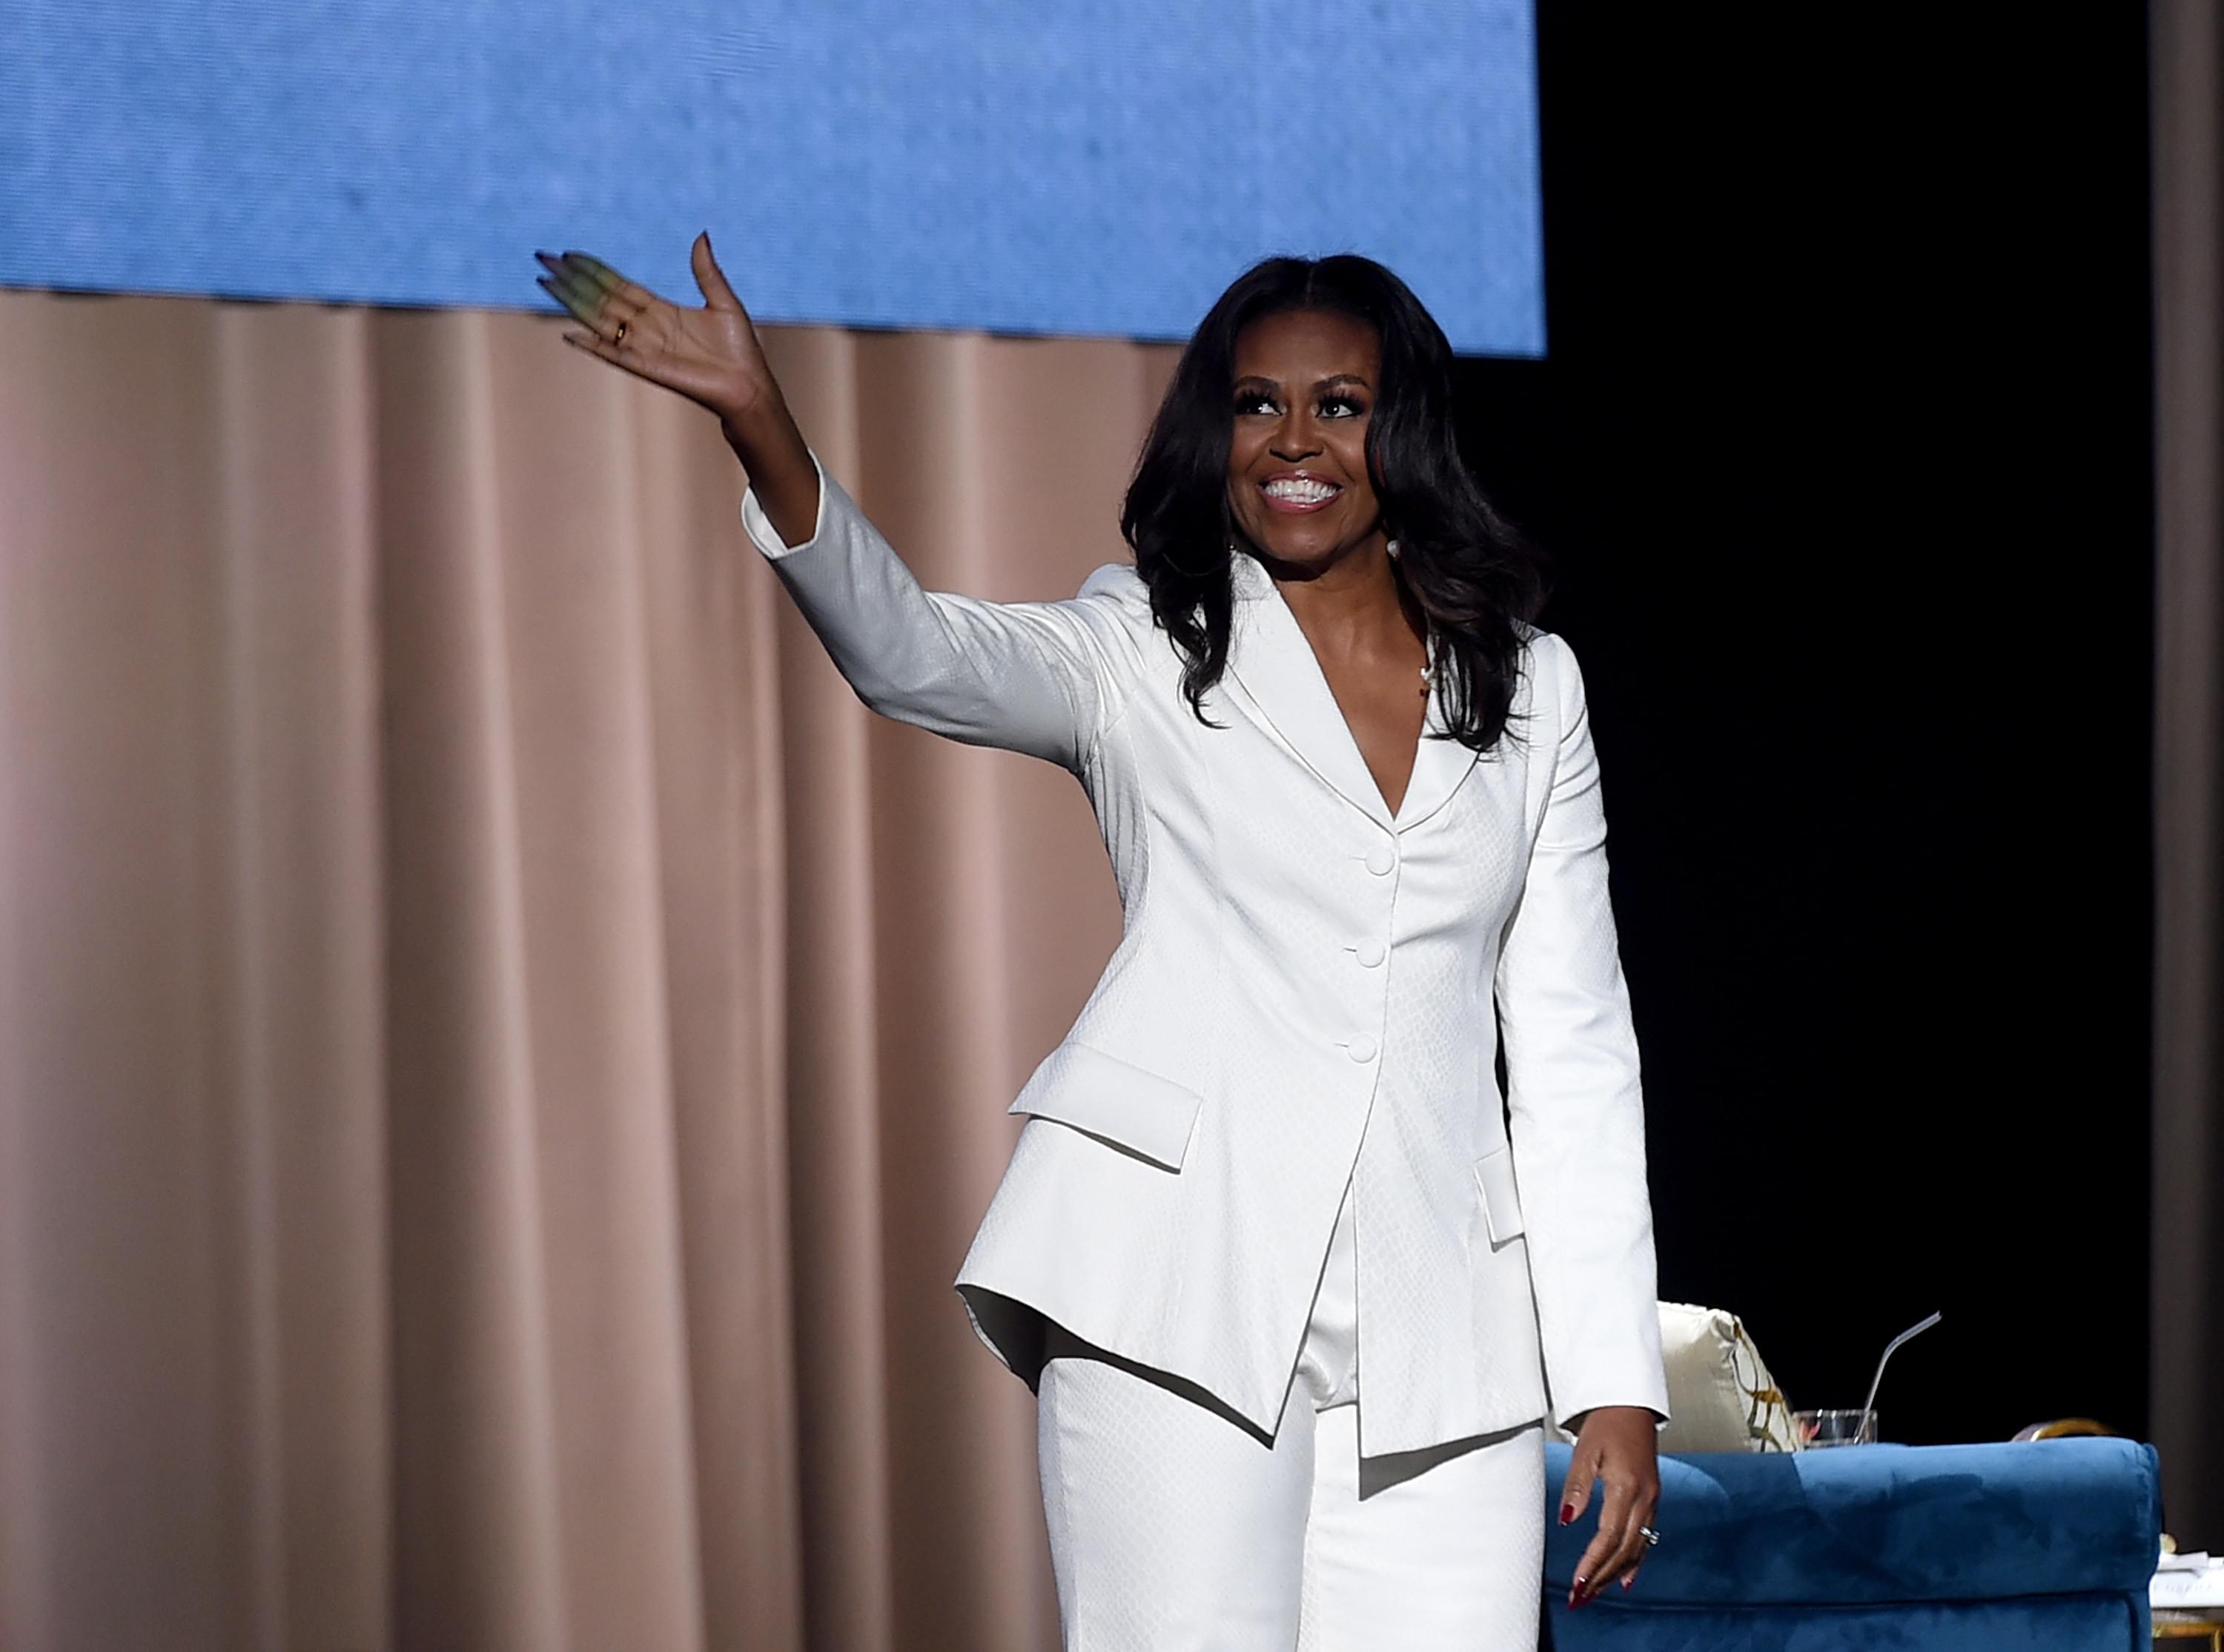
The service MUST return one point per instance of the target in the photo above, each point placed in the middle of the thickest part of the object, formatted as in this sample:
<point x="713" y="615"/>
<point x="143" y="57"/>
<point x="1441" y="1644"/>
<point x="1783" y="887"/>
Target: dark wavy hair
<point x="1475" y="580"/>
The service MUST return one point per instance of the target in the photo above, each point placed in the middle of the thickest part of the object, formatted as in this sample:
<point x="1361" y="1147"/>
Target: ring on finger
<point x="1650" y="1536"/>
<point x="618" y="338"/>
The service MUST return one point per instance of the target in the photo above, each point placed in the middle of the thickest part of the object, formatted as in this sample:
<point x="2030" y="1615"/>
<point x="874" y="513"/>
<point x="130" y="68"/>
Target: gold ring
<point x="620" y="338"/>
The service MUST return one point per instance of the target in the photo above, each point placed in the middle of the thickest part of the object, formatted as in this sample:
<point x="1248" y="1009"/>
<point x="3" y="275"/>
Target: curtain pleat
<point x="477" y="1520"/>
<point x="501" y="1056"/>
<point x="839" y="1277"/>
<point x="2186" y="1339"/>
<point x="302" y="835"/>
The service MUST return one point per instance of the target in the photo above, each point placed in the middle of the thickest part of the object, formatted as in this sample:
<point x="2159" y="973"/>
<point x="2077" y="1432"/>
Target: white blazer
<point x="1301" y="1001"/>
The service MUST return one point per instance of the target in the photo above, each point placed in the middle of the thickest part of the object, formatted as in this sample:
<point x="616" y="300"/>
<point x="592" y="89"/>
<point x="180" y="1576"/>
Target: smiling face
<point x="1305" y="383"/>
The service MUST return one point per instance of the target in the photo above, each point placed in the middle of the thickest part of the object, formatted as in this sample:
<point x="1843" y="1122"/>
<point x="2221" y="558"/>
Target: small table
<point x="2190" y="1629"/>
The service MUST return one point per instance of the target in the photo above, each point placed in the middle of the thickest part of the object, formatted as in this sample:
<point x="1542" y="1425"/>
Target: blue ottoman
<point x="2041" y="1545"/>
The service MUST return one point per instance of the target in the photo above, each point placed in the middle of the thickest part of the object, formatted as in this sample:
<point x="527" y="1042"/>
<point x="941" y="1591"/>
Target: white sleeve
<point x="1042" y="678"/>
<point x="1575" y="1105"/>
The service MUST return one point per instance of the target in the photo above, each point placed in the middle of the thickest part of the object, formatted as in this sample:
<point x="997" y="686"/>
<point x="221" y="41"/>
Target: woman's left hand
<point x="1618" y="1444"/>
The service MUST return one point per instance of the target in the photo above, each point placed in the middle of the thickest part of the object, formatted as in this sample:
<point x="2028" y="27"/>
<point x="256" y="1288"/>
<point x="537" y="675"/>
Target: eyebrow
<point x="1318" y="384"/>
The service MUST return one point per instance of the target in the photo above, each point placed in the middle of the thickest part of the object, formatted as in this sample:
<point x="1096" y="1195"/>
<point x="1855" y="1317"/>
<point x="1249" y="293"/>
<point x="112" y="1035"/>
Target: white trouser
<point x="1175" y="1527"/>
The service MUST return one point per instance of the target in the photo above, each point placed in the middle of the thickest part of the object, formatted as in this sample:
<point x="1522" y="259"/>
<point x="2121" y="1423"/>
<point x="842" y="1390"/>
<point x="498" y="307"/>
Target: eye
<point x="1254" y="401"/>
<point x="1351" y="407"/>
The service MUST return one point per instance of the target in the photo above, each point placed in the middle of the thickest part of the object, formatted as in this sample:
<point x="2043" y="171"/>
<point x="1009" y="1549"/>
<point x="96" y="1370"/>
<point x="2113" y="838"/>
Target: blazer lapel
<point x="1438" y="766"/>
<point x="1268" y="654"/>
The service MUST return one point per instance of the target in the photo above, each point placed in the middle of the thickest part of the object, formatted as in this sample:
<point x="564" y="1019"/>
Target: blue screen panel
<point x="1037" y="166"/>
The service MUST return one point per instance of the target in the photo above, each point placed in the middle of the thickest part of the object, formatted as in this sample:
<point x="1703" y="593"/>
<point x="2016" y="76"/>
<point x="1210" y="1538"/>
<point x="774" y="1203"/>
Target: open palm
<point x="711" y="356"/>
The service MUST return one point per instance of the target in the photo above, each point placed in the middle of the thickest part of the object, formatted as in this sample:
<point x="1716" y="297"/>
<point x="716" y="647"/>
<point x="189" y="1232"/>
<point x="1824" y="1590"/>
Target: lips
<point x="1298" y="492"/>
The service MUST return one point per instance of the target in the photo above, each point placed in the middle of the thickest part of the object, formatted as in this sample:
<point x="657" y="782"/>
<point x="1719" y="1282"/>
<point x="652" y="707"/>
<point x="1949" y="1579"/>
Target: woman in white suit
<point x="1296" y="1286"/>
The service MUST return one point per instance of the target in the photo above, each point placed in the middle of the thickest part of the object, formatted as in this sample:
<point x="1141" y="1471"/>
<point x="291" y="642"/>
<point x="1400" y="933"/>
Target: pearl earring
<point x="1391" y="547"/>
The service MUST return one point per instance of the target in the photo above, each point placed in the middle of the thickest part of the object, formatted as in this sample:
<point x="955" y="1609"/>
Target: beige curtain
<point x="500" y="1054"/>
<point x="2187" y="1368"/>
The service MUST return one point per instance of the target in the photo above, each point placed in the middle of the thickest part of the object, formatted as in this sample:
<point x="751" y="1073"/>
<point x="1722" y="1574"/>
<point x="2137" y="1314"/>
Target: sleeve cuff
<point x="1565" y="1421"/>
<point x="760" y="529"/>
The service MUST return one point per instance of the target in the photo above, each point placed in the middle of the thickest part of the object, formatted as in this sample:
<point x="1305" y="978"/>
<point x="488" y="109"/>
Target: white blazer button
<point x="1371" y="954"/>
<point x="1380" y="860"/>
<point x="1361" y="1048"/>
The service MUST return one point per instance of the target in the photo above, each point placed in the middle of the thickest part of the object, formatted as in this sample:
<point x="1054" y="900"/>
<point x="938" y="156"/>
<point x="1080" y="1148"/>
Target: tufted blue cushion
<point x="2031" y="1544"/>
<point x="2047" y="1623"/>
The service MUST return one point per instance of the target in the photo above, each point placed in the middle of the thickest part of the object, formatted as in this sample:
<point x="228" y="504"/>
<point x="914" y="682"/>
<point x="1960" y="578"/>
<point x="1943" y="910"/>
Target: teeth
<point x="1301" y="492"/>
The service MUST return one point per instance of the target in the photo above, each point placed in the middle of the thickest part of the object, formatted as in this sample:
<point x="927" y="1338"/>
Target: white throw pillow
<point x="1721" y="1397"/>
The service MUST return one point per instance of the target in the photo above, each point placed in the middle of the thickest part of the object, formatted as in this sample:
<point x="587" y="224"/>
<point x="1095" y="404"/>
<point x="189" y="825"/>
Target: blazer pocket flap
<point x="1114" y="1100"/>
<point x="1501" y="1199"/>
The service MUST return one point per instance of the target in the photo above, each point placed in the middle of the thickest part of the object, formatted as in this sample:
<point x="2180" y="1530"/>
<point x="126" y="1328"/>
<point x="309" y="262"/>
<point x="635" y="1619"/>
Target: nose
<point x="1295" y="437"/>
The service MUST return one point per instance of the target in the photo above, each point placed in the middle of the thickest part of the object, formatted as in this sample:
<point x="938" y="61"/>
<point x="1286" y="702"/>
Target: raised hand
<point x="711" y="356"/>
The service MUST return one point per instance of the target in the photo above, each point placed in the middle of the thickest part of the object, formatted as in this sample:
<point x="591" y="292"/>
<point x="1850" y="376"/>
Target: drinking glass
<point x="1854" y="1428"/>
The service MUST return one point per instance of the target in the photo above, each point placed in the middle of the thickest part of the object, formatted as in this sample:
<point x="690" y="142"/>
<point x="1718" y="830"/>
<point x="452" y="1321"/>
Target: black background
<point x="1842" y="450"/>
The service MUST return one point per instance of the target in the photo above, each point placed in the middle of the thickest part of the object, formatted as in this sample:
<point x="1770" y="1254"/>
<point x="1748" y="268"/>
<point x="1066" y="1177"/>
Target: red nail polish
<point x="1631" y="1578"/>
<point x="1567" y="1512"/>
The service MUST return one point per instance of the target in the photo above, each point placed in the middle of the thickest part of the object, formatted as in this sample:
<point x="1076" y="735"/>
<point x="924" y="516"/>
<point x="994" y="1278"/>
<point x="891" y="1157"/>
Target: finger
<point x="610" y="282"/>
<point x="1576" y="1489"/>
<point x="619" y="355"/>
<point x="717" y="294"/>
<point x="576" y="297"/>
<point x="590" y="269"/>
<point x="618" y="302"/>
<point x="565" y="269"/>
<point x="616" y="355"/>
<point x="598" y="307"/>
<point x="594" y="346"/>
<point x="1633" y="1549"/>
<point x="610" y="318"/>
<point x="1629" y="1555"/>
<point x="1640" y="1520"/>
<point x="593" y="290"/>
<point x="1608" y="1547"/>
